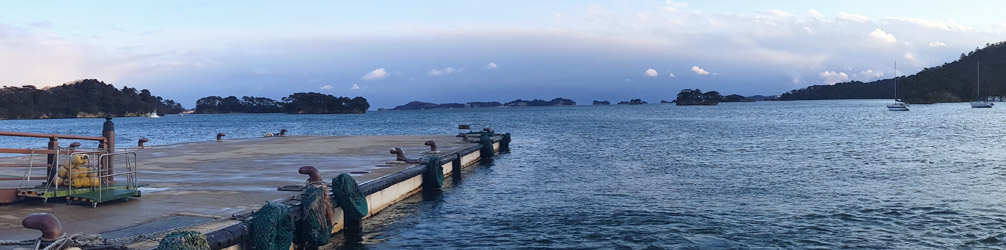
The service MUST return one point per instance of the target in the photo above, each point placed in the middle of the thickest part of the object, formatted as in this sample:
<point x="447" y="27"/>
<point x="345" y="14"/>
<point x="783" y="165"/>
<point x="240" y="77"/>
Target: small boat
<point x="897" y="105"/>
<point x="154" y="115"/>
<point x="983" y="102"/>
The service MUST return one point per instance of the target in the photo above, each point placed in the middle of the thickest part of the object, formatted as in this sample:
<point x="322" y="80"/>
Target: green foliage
<point x="951" y="82"/>
<point x="297" y="103"/>
<point x="696" y="97"/>
<point x="318" y="103"/>
<point x="231" y="104"/>
<point x="85" y="98"/>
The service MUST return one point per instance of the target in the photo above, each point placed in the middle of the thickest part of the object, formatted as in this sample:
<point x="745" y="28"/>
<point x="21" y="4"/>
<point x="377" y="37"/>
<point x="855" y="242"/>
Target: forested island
<point x="418" y="105"/>
<point x="633" y="102"/>
<point x="80" y="99"/>
<point x="297" y="103"/>
<point x="951" y="82"/>
<point x="596" y="102"/>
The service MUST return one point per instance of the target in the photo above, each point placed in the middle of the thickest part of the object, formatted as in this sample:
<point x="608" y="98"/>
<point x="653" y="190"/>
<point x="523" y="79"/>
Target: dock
<point x="209" y="186"/>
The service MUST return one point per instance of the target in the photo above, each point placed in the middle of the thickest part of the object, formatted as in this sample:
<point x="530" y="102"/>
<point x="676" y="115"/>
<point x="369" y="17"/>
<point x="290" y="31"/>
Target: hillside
<point x="950" y="82"/>
<point x="84" y="98"/>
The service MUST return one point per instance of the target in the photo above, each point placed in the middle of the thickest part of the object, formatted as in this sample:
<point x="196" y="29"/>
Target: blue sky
<point x="392" y="52"/>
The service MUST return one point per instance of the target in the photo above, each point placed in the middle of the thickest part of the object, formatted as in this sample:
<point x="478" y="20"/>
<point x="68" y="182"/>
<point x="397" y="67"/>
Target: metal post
<point x="456" y="167"/>
<point x="52" y="159"/>
<point x="108" y="131"/>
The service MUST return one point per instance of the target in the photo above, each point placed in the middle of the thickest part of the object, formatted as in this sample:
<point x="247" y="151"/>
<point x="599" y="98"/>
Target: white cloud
<point x="882" y="36"/>
<point x="355" y="87"/>
<point x="699" y="71"/>
<point x="444" y="71"/>
<point x="491" y="65"/>
<point x="651" y="72"/>
<point x="868" y="75"/>
<point x="938" y="24"/>
<point x="832" y="77"/>
<point x="376" y="74"/>
<point x="809" y="31"/>
<point x="671" y="75"/>
<point x="795" y="79"/>
<point x="326" y="87"/>
<point x="937" y="44"/>
<point x="853" y="17"/>
<point x="627" y="80"/>
<point x="813" y="13"/>
<point x="909" y="56"/>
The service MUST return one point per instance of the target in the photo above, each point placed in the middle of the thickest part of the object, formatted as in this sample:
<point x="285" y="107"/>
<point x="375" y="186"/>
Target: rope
<point x="16" y="242"/>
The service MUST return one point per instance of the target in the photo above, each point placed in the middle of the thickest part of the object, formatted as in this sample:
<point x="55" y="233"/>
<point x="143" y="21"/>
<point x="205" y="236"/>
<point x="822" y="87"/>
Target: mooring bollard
<point x="282" y="132"/>
<point x="311" y="172"/>
<point x="464" y="137"/>
<point x="400" y="156"/>
<point x="139" y="143"/>
<point x="220" y="136"/>
<point x="45" y="222"/>
<point x="74" y="146"/>
<point x="433" y="146"/>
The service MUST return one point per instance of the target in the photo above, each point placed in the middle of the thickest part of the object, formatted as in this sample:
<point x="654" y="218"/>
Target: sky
<point x="393" y="52"/>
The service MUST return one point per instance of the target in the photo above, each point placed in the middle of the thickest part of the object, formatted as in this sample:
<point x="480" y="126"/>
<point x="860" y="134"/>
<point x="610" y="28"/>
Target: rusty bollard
<point x="74" y="146"/>
<point x="139" y="143"/>
<point x="464" y="137"/>
<point x="45" y="222"/>
<point x="400" y="156"/>
<point x="311" y="172"/>
<point x="282" y="132"/>
<point x="220" y="136"/>
<point x="489" y="130"/>
<point x="433" y="146"/>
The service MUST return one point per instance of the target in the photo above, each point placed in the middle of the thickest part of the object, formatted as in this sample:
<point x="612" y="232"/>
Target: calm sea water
<point x="813" y="174"/>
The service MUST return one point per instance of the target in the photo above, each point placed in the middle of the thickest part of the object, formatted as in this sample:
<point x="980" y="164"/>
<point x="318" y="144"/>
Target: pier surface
<point x="221" y="179"/>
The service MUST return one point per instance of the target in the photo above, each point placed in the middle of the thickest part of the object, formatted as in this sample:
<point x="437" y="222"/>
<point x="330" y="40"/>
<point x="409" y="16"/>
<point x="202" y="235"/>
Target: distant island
<point x="596" y="102"/>
<point x="418" y="105"/>
<point x="81" y="99"/>
<point x="297" y="103"/>
<point x="697" y="97"/>
<point x="951" y="82"/>
<point x="632" y="102"/>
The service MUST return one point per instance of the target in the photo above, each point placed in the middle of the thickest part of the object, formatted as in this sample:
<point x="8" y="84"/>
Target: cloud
<point x="491" y="65"/>
<point x="651" y="72"/>
<point x="699" y="71"/>
<point x="671" y="75"/>
<point x="375" y="75"/>
<point x="355" y="87"/>
<point x="326" y="87"/>
<point x="853" y="17"/>
<point x="444" y="71"/>
<point x="882" y="36"/>
<point x="832" y="77"/>
<point x="867" y="75"/>
<point x="813" y="13"/>
<point x="909" y="56"/>
<point x="937" y="44"/>
<point x="937" y="24"/>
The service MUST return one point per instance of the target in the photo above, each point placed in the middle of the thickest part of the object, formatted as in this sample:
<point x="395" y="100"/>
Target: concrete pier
<point x="231" y="177"/>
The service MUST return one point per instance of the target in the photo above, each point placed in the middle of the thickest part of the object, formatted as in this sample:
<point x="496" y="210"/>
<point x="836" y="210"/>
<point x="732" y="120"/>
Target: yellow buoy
<point x="95" y="182"/>
<point x="78" y="159"/>
<point x="61" y="172"/>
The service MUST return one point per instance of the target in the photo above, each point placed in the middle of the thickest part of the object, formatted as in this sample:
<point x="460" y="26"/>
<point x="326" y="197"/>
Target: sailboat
<point x="897" y="105"/>
<point x="983" y="102"/>
<point x="154" y="115"/>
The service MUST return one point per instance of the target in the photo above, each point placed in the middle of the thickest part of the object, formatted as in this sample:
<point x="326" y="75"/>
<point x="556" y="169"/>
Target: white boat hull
<point x="981" y="104"/>
<point x="900" y="106"/>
